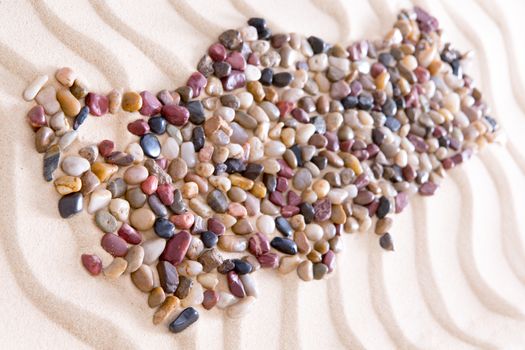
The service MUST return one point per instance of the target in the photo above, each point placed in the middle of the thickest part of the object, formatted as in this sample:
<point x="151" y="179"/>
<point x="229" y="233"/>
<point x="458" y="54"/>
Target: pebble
<point x="168" y="277"/>
<point x="78" y="89"/>
<point x="143" y="278"/>
<point x="187" y="153"/>
<point x="98" y="104"/>
<point x="114" y="245"/>
<point x="305" y="270"/>
<point x="69" y="104"/>
<point x="194" y="297"/>
<point x="134" y="258"/>
<point x="156" y="297"/>
<point x="185" y="285"/>
<point x="166" y="309"/>
<point x="36" y="117"/>
<point x="92" y="264"/>
<point x="75" y="166"/>
<point x="131" y="101"/>
<point x="283" y="226"/>
<point x="99" y="199"/>
<point x="115" y="100"/>
<point x="150" y="145"/>
<point x="105" y="221"/>
<point x="185" y="319"/>
<point x="288" y="264"/>
<point x="129" y="234"/>
<point x="250" y="285"/>
<point x="210" y="259"/>
<point x="142" y="219"/>
<point x="284" y="245"/>
<point x="43" y="139"/>
<point x="153" y="248"/>
<point x="208" y="280"/>
<point x="34" y="87"/>
<point x="68" y="184"/>
<point x="164" y="228"/>
<point x="89" y="152"/>
<point x="319" y="270"/>
<point x="80" y="117"/>
<point x="210" y="299"/>
<point x="89" y="182"/>
<point x="116" y="268"/>
<point x="217" y="200"/>
<point x="176" y="248"/>
<point x="58" y="122"/>
<point x="136" y="197"/>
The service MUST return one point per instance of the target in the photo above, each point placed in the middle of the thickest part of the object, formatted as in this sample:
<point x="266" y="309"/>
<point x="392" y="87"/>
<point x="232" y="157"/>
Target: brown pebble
<point x="156" y="297"/>
<point x="131" y="101"/>
<point x="165" y="310"/>
<point x="143" y="278"/>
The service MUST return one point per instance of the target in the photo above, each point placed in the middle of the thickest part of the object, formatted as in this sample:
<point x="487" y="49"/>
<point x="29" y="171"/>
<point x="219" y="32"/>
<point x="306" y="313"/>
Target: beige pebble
<point x="135" y="258"/>
<point x="194" y="297"/>
<point x="68" y="184"/>
<point x="59" y="123"/>
<point x="195" y="249"/>
<point x="46" y="97"/>
<point x="208" y="280"/>
<point x="99" y="199"/>
<point x="156" y="297"/>
<point x="115" y="99"/>
<point x="200" y="207"/>
<point x="65" y="76"/>
<point x="119" y="208"/>
<point x="116" y="268"/>
<point x="288" y="264"/>
<point x="143" y="279"/>
<point x="321" y="187"/>
<point x="136" y="174"/>
<point x="142" y="219"/>
<point x="190" y="190"/>
<point x="152" y="249"/>
<point x="232" y="243"/>
<point x="34" y="87"/>
<point x="250" y="285"/>
<point x="305" y="270"/>
<point x="225" y="300"/>
<point x="189" y="268"/>
<point x="314" y="232"/>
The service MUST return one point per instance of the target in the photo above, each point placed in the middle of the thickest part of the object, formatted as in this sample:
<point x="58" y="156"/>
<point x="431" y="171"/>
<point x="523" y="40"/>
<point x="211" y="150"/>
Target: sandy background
<point x="456" y="281"/>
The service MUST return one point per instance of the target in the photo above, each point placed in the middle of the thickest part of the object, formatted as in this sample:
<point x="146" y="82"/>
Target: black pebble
<point x="298" y="154"/>
<point x="284" y="245"/>
<point x="317" y="44"/>
<point x="257" y="22"/>
<point x="70" y="204"/>
<point x="150" y="145"/>
<point x="209" y="239"/>
<point x="320" y="161"/>
<point x="234" y="165"/>
<point x="242" y="267"/>
<point x="81" y="117"/>
<point x="283" y="226"/>
<point x="389" y="108"/>
<point x="384" y="207"/>
<point x="164" y="228"/>
<point x="270" y="181"/>
<point x="196" y="112"/>
<point x="185" y="319"/>
<point x="365" y="102"/>
<point x="307" y="210"/>
<point x="253" y="170"/>
<point x="157" y="125"/>
<point x="282" y="79"/>
<point x="197" y="138"/>
<point x="266" y="77"/>
<point x="350" y="102"/>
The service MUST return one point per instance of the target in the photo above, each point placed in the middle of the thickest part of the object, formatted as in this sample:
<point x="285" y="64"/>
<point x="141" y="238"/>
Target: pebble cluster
<point x="276" y="146"/>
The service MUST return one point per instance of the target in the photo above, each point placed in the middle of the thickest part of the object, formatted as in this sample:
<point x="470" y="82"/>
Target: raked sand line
<point x="483" y="291"/>
<point x="381" y="301"/>
<point x="496" y="15"/>
<point x="87" y="48"/>
<point x="427" y="282"/>
<point x="511" y="240"/>
<point x="170" y="64"/>
<point x="335" y="300"/>
<point x="195" y="19"/>
<point x="17" y="65"/>
<point x="335" y="9"/>
<point x="289" y="326"/>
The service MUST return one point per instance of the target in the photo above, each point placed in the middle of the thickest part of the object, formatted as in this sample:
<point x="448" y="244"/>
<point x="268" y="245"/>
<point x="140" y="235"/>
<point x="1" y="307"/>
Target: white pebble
<point x="274" y="149"/>
<point x="75" y="165"/>
<point x="252" y="73"/>
<point x="187" y="151"/>
<point x="266" y="224"/>
<point x="170" y="148"/>
<point x="99" y="199"/>
<point x="314" y="232"/>
<point x="32" y="89"/>
<point x="119" y="208"/>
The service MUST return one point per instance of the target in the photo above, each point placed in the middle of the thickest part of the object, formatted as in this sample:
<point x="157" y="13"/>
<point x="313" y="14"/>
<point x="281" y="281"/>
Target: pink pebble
<point x="259" y="244"/>
<point x="129" y="234"/>
<point x="139" y="127"/>
<point x="149" y="186"/>
<point x="165" y="193"/>
<point x="114" y="245"/>
<point x="217" y="52"/>
<point x="183" y="221"/>
<point x="150" y="104"/>
<point x="162" y="162"/>
<point x="98" y="104"/>
<point x="237" y="210"/>
<point x="293" y="198"/>
<point x="197" y="82"/>
<point x="329" y="260"/>
<point x="106" y="147"/>
<point x="175" y="114"/>
<point x="92" y="263"/>
<point x="216" y="226"/>
<point x="236" y="60"/>
<point x="269" y="260"/>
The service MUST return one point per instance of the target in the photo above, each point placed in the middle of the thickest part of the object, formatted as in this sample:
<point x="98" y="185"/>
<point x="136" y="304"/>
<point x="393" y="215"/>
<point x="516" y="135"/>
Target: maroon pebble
<point x="197" y="82"/>
<point x="376" y="69"/>
<point x="149" y="186"/>
<point x="138" y="127"/>
<point x="211" y="298"/>
<point x="175" y="114"/>
<point x="98" y="104"/>
<point x="236" y="60"/>
<point x="269" y="260"/>
<point x="418" y="142"/>
<point x="114" y="245"/>
<point x="129" y="234"/>
<point x="361" y="181"/>
<point x="289" y="210"/>
<point x="92" y="263"/>
<point x="329" y="260"/>
<point x="217" y="52"/>
<point x="106" y="147"/>
<point x="300" y="115"/>
<point x="235" y="80"/>
<point x="346" y="145"/>
<point x="282" y="184"/>
<point x="150" y="104"/>
<point x="428" y="189"/>
<point x="235" y="285"/>
<point x="258" y="244"/>
<point x="372" y="208"/>
<point x="293" y="198"/>
<point x="285" y="170"/>
<point x="277" y="198"/>
<point x="176" y="248"/>
<point x="36" y="117"/>
<point x="253" y="59"/>
<point x="215" y="226"/>
<point x="165" y="193"/>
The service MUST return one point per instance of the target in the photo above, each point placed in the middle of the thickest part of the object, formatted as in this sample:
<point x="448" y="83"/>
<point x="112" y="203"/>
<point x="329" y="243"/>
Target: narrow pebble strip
<point x="276" y="146"/>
